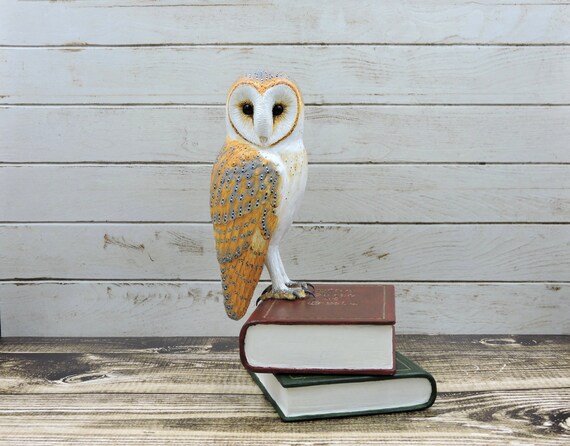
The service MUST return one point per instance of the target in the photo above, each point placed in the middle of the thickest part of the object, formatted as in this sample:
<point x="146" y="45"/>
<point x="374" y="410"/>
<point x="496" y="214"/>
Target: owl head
<point x="264" y="109"/>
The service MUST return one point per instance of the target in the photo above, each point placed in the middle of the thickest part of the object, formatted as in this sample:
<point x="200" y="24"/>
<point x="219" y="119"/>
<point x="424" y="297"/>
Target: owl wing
<point x="243" y="201"/>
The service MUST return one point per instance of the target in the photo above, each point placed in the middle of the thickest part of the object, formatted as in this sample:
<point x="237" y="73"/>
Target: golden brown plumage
<point x="243" y="202"/>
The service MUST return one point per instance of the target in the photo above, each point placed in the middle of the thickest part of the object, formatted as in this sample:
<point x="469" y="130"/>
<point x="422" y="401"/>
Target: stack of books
<point x="333" y="355"/>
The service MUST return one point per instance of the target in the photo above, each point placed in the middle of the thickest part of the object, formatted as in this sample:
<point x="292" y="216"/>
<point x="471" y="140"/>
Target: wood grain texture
<point x="333" y="134"/>
<point x="211" y="365"/>
<point x="335" y="193"/>
<point x="95" y="308"/>
<point x="119" y="22"/>
<point x="467" y="418"/>
<point x="492" y="390"/>
<point x="326" y="74"/>
<point x="388" y="252"/>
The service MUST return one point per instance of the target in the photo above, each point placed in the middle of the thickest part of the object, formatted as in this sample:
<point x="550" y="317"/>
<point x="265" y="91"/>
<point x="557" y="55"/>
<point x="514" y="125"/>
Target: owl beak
<point x="263" y="121"/>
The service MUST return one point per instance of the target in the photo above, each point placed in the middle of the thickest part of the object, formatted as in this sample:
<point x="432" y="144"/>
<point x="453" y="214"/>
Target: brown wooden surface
<point x="492" y="390"/>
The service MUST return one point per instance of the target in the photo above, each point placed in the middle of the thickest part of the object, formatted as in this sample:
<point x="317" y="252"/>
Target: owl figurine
<point x="257" y="185"/>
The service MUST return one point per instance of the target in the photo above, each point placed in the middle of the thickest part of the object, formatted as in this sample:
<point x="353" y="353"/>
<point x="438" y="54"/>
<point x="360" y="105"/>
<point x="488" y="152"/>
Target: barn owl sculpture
<point x="257" y="185"/>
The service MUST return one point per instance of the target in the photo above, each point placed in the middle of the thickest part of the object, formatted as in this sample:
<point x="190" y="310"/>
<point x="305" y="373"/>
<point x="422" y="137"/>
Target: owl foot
<point x="285" y="293"/>
<point x="307" y="287"/>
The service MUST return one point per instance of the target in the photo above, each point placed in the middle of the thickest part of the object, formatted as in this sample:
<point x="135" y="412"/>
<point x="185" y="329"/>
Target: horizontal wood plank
<point x="211" y="365"/>
<point x="497" y="417"/>
<point x="119" y="22"/>
<point x="343" y="74"/>
<point x="195" y="308"/>
<point x="335" y="193"/>
<point x="388" y="252"/>
<point x="341" y="134"/>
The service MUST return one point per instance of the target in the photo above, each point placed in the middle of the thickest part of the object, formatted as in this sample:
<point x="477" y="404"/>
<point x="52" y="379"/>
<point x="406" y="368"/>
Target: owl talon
<point x="304" y="285"/>
<point x="299" y="294"/>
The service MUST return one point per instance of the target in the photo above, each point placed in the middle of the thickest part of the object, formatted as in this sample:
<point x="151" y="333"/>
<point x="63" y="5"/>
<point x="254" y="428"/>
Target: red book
<point x="344" y="329"/>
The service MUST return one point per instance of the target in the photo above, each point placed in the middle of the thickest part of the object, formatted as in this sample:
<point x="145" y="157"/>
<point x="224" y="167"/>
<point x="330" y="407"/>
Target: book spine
<point x="242" y="355"/>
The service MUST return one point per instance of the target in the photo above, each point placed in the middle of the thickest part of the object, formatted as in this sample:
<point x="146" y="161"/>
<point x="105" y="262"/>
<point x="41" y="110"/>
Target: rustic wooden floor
<point x="492" y="390"/>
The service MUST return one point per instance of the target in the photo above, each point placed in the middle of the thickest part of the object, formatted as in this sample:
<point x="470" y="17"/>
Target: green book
<point x="299" y="397"/>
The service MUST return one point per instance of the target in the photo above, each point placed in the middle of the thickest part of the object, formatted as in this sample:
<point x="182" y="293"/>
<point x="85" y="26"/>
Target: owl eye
<point x="247" y="109"/>
<point x="277" y="109"/>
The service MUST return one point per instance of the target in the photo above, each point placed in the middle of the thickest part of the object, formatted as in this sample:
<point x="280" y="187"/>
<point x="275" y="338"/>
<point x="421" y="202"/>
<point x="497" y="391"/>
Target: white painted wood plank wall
<point x="439" y="141"/>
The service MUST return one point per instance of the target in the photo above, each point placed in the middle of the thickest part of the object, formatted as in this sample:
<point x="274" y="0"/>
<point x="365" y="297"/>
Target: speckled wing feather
<point x="243" y="201"/>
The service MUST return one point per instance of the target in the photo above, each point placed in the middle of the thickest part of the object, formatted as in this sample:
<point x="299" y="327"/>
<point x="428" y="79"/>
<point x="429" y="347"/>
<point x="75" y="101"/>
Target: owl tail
<point x="239" y="280"/>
